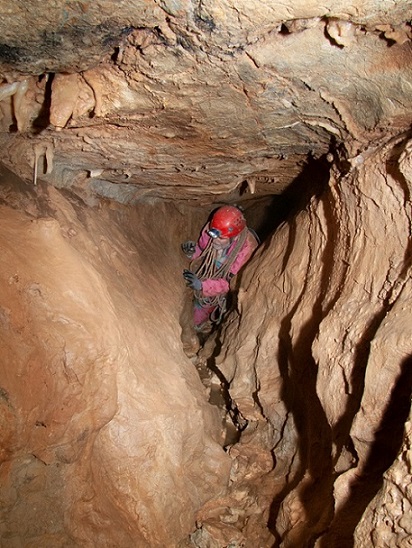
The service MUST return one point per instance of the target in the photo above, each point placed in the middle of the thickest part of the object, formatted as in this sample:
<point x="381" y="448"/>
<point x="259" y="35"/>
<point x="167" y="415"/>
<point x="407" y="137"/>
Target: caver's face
<point x="220" y="243"/>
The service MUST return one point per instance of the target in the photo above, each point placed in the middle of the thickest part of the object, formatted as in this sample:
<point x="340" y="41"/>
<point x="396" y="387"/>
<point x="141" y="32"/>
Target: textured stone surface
<point x="106" y="433"/>
<point x="388" y="519"/>
<point x="100" y="408"/>
<point x="136" y="100"/>
<point x="324" y="368"/>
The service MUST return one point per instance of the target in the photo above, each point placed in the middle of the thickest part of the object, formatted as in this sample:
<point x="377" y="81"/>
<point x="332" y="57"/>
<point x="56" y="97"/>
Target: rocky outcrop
<point x="107" y="434"/>
<point x="318" y="356"/>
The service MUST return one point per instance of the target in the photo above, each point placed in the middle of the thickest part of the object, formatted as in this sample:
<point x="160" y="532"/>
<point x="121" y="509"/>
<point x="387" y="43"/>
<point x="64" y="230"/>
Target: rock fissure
<point x="122" y="126"/>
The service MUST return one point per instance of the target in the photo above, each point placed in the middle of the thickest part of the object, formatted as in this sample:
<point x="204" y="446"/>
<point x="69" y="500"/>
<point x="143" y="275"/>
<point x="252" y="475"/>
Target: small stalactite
<point x="46" y="151"/>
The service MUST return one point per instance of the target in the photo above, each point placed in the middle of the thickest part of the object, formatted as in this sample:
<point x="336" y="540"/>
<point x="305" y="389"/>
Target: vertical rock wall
<point x="318" y="358"/>
<point x="107" y="438"/>
<point x="106" y="434"/>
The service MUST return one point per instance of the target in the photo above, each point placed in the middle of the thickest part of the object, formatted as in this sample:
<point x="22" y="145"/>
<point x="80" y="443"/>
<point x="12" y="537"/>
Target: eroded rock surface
<point x="387" y="521"/>
<point x="110" y="111"/>
<point x="139" y="100"/>
<point x="101" y="412"/>
<point x="318" y="358"/>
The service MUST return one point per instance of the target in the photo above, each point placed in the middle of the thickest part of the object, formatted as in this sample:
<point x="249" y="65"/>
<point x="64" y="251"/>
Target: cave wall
<point x="106" y="433"/>
<point x="106" y="429"/>
<point x="318" y="357"/>
<point x="107" y="436"/>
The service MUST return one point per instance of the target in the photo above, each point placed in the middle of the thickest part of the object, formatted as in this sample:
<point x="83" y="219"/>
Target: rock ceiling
<point x="105" y="428"/>
<point x="142" y="100"/>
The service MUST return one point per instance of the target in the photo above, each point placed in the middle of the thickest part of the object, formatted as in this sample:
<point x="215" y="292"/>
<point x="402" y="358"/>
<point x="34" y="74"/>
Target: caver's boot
<point x="190" y="341"/>
<point x="205" y="328"/>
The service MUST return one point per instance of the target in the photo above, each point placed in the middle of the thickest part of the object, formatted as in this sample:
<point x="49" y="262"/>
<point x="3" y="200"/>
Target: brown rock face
<point x="322" y="372"/>
<point x="122" y="125"/>
<point x="135" y="101"/>
<point x="91" y="386"/>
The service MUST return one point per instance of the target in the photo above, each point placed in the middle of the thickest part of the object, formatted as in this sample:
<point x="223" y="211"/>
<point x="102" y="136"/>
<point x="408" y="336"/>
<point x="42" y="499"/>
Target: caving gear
<point x="189" y="248"/>
<point x="214" y="233"/>
<point x="227" y="222"/>
<point x="214" y="265"/>
<point x="192" y="280"/>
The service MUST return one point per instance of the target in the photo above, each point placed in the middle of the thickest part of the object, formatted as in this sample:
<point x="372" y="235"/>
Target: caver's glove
<point x="189" y="248"/>
<point x="192" y="280"/>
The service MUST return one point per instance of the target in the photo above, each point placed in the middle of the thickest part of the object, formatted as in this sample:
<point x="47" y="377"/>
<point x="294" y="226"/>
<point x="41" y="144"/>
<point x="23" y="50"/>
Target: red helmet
<point x="227" y="222"/>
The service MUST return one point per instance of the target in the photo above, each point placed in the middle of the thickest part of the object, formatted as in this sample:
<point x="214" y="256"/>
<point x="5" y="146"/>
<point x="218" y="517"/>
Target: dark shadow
<point x="266" y="215"/>
<point x="299" y="372"/>
<point x="315" y="437"/>
<point x="360" y="360"/>
<point x="239" y="423"/>
<point x="392" y="165"/>
<point x="326" y="34"/>
<point x="362" y="492"/>
<point x="383" y="451"/>
<point x="43" y="119"/>
<point x="299" y="395"/>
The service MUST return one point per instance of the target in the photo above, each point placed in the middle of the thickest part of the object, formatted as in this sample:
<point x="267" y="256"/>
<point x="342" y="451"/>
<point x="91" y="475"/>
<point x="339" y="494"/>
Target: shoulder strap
<point x="254" y="234"/>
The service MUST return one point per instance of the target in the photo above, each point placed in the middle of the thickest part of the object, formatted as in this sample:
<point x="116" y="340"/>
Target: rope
<point x="208" y="270"/>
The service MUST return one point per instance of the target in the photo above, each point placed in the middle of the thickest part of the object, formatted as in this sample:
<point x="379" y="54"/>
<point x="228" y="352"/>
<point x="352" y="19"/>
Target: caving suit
<point x="216" y="289"/>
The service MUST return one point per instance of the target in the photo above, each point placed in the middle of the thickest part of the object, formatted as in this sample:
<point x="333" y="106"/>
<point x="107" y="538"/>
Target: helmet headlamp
<point x="214" y="233"/>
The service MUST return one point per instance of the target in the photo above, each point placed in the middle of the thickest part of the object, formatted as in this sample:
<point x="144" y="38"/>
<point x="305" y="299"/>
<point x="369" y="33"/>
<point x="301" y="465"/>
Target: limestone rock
<point x="128" y="122"/>
<point x="81" y="345"/>
<point x="231" y="101"/>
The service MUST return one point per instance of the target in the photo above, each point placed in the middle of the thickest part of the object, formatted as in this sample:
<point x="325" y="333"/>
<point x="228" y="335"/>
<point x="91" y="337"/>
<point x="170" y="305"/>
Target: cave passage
<point x="263" y="214"/>
<point x="88" y="318"/>
<point x="289" y="424"/>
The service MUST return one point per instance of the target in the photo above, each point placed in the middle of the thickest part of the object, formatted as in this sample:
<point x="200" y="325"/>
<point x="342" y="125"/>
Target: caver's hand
<point x="189" y="248"/>
<point x="192" y="280"/>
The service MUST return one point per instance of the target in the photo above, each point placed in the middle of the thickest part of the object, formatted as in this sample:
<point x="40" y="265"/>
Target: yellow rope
<point x="208" y="269"/>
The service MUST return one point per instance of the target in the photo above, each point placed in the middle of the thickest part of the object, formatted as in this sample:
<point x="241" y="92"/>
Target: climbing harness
<point x="209" y="268"/>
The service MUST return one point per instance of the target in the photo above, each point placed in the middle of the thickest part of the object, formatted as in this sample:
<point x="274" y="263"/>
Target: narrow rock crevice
<point x="122" y="127"/>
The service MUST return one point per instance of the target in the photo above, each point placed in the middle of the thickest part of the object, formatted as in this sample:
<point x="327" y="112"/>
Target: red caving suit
<point x="213" y="287"/>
